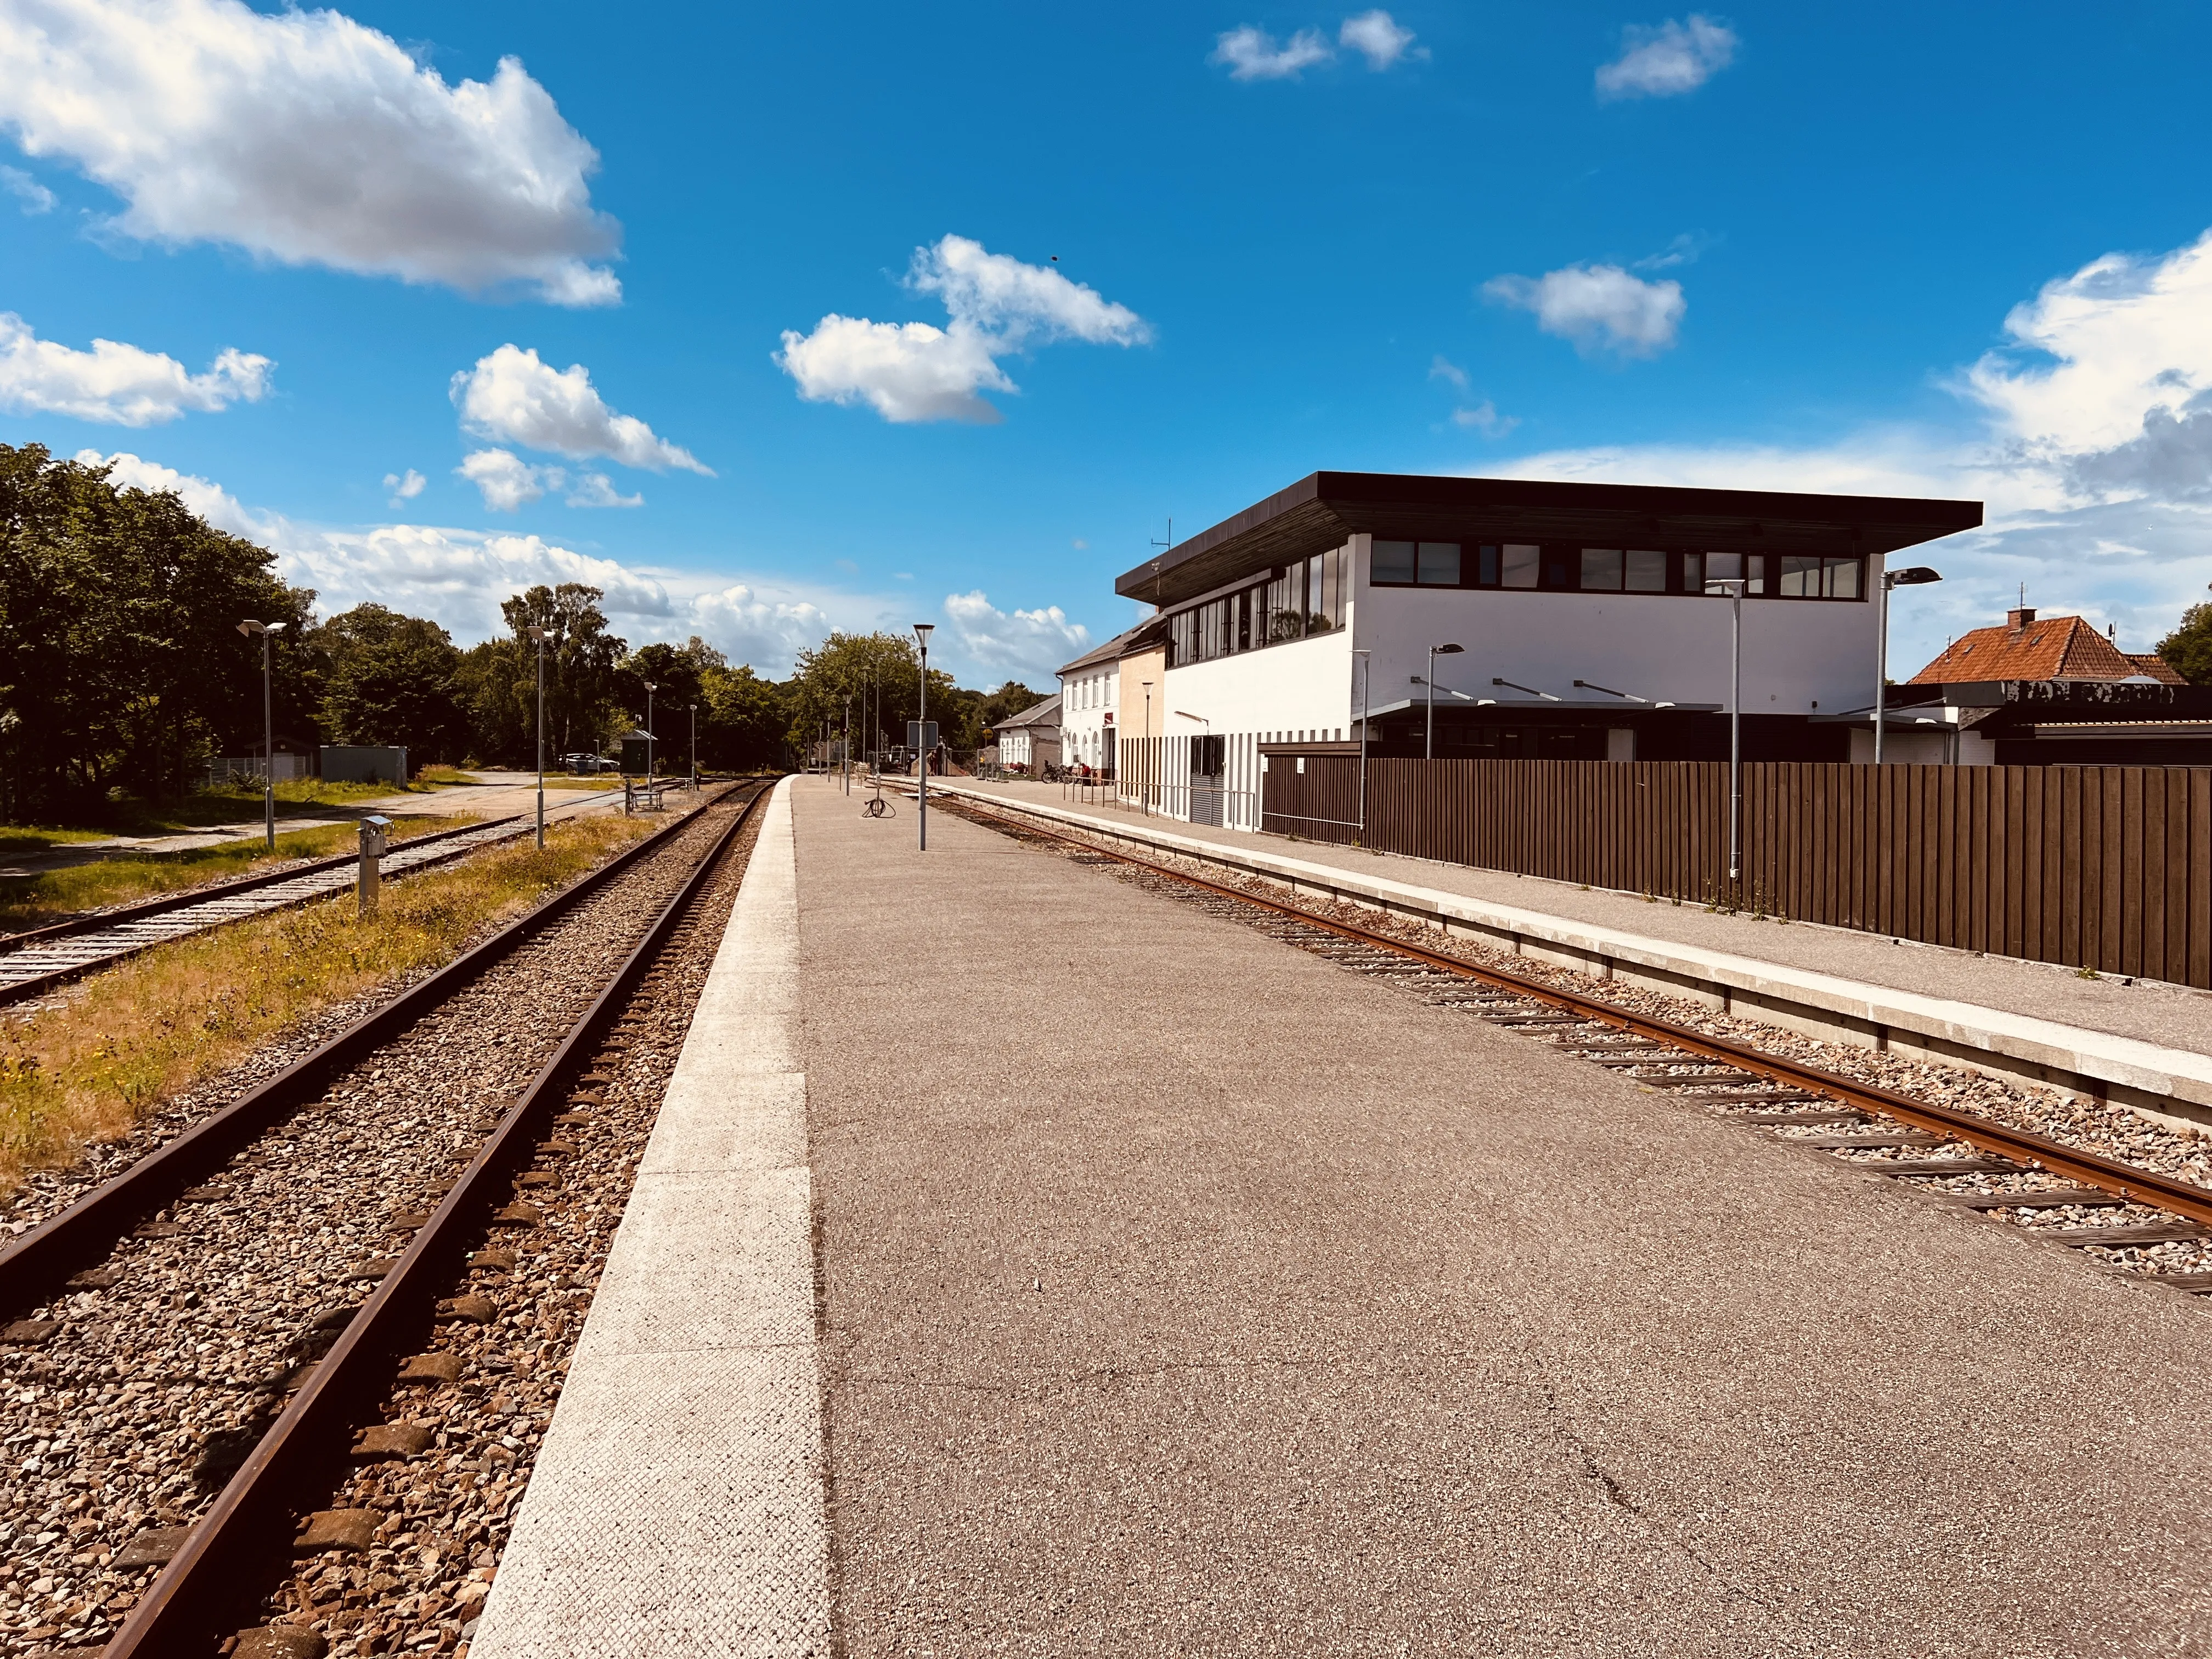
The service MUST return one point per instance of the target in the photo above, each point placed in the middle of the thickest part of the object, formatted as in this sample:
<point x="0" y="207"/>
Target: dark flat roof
<point x="1323" y="510"/>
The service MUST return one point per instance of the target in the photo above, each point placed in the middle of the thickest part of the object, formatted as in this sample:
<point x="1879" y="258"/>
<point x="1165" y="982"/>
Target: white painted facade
<point x="1088" y="714"/>
<point x="1800" y="657"/>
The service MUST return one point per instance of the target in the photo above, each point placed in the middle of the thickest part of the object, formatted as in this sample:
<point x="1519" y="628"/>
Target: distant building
<point x="1090" y="704"/>
<point x="1582" y="613"/>
<point x="1031" y="740"/>
<point x="2041" y="691"/>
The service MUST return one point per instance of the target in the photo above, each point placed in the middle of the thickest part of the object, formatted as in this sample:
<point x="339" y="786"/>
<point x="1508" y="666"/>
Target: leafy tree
<point x="497" y="683"/>
<point x="391" y="679"/>
<point x="742" y="719"/>
<point x="879" y="672"/>
<point x="583" y="698"/>
<point x="2189" y="647"/>
<point x="121" y="667"/>
<point x="1009" y="700"/>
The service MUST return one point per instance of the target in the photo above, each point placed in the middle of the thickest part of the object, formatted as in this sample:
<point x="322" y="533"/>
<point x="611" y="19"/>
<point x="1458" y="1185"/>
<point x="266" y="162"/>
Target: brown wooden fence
<point x="2107" y="867"/>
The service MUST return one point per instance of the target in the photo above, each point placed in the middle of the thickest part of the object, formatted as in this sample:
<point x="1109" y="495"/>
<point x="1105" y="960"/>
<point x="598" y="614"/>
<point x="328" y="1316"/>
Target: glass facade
<point x="1613" y="569"/>
<point x="1301" y="601"/>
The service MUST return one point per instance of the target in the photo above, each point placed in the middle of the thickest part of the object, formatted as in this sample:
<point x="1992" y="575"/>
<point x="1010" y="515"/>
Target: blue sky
<point x="1955" y="252"/>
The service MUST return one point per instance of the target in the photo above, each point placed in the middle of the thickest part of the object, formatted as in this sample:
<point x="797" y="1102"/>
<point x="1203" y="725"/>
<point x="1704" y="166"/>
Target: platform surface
<point x="2146" y="1011"/>
<point x="1180" y="1292"/>
<point x="1187" y="1294"/>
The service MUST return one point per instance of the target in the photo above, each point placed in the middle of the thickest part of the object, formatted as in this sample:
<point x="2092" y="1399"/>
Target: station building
<point x="1581" y="611"/>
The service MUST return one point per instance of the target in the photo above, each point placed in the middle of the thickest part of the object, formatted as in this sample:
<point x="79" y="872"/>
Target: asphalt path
<point x="1183" y="1293"/>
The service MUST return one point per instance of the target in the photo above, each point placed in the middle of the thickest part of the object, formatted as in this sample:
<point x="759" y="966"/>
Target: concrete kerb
<point x="679" y="1507"/>
<point x="2169" y="1086"/>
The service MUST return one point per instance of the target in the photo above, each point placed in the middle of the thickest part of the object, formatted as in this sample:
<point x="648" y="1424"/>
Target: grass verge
<point x="27" y="902"/>
<point x="161" y="1024"/>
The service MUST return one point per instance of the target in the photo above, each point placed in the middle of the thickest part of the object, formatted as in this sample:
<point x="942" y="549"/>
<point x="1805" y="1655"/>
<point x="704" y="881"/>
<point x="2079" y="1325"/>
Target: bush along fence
<point x="2104" y="868"/>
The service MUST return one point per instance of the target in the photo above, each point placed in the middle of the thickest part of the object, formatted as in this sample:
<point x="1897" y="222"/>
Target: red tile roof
<point x="2051" y="648"/>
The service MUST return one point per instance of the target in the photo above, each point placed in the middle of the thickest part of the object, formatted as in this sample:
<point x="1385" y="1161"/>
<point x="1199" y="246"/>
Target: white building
<point x="1090" y="705"/>
<point x="1581" y="616"/>
<point x="1029" y="741"/>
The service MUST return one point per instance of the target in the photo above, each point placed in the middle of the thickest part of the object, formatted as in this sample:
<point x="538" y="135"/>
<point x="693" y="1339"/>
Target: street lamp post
<point x="1918" y="575"/>
<point x="250" y="628"/>
<point x="650" y="773"/>
<point x="538" y="635"/>
<point x="1734" y="587"/>
<point x="1429" y="744"/>
<point x="1145" y="759"/>
<point x="921" y="632"/>
<point x="1366" y="670"/>
<point x="693" y="709"/>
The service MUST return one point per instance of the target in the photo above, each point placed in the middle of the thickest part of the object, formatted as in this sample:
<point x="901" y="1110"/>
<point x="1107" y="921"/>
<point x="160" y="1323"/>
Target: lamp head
<point x="1446" y="650"/>
<point x="922" y="631"/>
<point x="250" y="628"/>
<point x="1916" y="575"/>
<point x="537" y="633"/>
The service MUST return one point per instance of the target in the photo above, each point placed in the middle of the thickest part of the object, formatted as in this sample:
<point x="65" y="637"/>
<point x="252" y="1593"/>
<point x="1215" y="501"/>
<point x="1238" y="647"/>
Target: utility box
<point x="375" y="842"/>
<point x="349" y="763"/>
<point x="636" y="753"/>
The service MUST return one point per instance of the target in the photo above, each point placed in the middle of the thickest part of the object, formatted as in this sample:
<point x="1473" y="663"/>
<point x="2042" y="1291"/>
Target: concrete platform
<point x="1183" y="1293"/>
<point x="677" y="1507"/>
<point x="2144" y="1044"/>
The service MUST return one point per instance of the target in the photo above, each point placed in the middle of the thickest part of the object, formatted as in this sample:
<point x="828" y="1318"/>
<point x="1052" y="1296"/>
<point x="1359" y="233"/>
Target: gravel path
<point x="2110" y="1130"/>
<point x="441" y="1517"/>
<point x="128" y="1418"/>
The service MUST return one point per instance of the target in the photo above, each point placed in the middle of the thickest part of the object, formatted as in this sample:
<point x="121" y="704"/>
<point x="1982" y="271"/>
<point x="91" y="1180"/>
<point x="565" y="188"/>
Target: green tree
<point x="391" y="679"/>
<point x="2189" y="647"/>
<point x="879" y="672"/>
<point x="744" y="721"/>
<point x="121" y="667"/>
<point x="583" y="698"/>
<point x="497" y="683"/>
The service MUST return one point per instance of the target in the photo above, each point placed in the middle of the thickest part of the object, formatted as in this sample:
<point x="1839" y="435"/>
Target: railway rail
<point x="34" y="964"/>
<point x="299" y="1392"/>
<point x="2107" y="1203"/>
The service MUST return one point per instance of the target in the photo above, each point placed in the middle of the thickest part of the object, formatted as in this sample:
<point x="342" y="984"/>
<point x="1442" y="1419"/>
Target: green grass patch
<point x="52" y="895"/>
<point x="163" y="1022"/>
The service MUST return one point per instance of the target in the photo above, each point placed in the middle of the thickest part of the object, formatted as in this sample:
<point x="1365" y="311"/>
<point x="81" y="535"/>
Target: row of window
<point x="1306" y="598"/>
<point x="1613" y="569"/>
<point x="1091" y="691"/>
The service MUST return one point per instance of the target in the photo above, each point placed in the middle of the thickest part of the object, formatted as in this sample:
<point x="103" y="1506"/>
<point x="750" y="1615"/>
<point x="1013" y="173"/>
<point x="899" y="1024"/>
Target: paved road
<point x="1183" y="1294"/>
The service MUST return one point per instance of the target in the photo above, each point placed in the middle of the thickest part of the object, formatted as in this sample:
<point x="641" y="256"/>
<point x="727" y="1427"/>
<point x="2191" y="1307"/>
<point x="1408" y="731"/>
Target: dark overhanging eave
<point x="1324" y="509"/>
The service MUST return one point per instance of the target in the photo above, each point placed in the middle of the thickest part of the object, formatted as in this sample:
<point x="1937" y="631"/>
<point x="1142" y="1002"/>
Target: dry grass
<point x="56" y="895"/>
<point x="159" y="1025"/>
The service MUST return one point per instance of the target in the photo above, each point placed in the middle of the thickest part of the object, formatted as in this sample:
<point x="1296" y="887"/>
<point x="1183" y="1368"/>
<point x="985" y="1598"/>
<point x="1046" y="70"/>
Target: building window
<point x="1518" y="563"/>
<point x="1391" y="561"/>
<point x="1439" y="564"/>
<point x="1602" y="569"/>
<point x="1698" y="568"/>
<point x="1806" y="576"/>
<point x="1646" y="571"/>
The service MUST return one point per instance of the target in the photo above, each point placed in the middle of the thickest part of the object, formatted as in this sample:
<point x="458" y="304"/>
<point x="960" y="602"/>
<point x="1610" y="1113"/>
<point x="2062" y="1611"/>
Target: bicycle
<point x="876" y="807"/>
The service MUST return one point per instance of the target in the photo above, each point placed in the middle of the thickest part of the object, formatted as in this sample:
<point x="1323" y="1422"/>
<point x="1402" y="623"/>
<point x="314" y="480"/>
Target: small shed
<point x="638" y="752"/>
<point x="362" y="763"/>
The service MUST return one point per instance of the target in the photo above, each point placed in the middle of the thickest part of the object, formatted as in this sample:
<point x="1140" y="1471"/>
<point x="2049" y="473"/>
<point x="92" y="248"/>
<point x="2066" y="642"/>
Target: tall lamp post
<point x="1917" y="576"/>
<point x="250" y="628"/>
<point x="921" y="632"/>
<point x="1734" y="587"/>
<point x="1429" y="744"/>
<point x="538" y="635"/>
<point x="693" y="708"/>
<point x="1145" y="758"/>
<point x="650" y="773"/>
<point x="1366" y="672"/>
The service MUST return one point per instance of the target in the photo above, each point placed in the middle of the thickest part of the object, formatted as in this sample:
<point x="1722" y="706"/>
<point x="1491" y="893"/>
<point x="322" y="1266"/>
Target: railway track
<point x="196" y="1342"/>
<point x="33" y="964"/>
<point x="2066" y="1194"/>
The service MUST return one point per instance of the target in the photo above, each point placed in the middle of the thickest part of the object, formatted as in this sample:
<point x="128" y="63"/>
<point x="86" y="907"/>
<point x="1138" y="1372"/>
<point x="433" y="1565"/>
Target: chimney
<point x="2016" y="620"/>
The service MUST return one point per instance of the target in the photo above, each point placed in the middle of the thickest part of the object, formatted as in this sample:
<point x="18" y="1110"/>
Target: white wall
<point x="1301" y="691"/>
<point x="1087" y="714"/>
<point x="1669" y="647"/>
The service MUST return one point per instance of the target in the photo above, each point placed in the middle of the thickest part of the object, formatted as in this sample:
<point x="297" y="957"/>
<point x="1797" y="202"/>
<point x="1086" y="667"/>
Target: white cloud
<point x="115" y="383"/>
<point x="1484" y="418"/>
<point x="910" y="372"/>
<point x="2091" y="446"/>
<point x="1673" y="58"/>
<point x="405" y="489"/>
<point x="1025" y="643"/>
<point x="1598" y="307"/>
<point x="1442" y="368"/>
<point x="509" y="482"/>
<point x="459" y="577"/>
<point x="1379" y="38"/>
<point x="597" y="489"/>
<point x="512" y="396"/>
<point x="34" y="196"/>
<point x="304" y="137"/>
<point x="1251" y="54"/>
